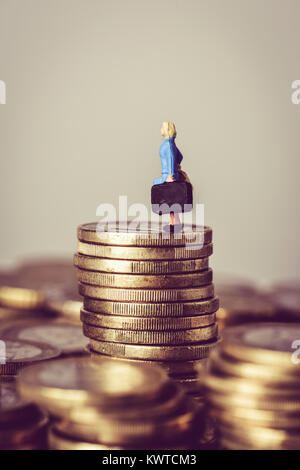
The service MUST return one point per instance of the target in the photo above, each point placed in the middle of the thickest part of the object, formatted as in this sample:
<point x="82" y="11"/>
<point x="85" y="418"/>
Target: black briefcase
<point x="172" y="197"/>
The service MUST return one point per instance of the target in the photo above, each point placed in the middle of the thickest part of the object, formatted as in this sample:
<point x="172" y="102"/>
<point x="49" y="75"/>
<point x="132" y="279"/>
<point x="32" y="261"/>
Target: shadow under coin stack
<point x="148" y="296"/>
<point x="111" y="405"/>
<point x="252" y="386"/>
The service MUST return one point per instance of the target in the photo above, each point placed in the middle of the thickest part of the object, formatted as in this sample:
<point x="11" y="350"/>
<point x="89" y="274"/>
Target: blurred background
<point x="88" y="84"/>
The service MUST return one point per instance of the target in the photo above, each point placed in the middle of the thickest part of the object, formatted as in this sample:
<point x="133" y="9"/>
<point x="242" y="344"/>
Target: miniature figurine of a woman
<point x="171" y="159"/>
<point x="170" y="155"/>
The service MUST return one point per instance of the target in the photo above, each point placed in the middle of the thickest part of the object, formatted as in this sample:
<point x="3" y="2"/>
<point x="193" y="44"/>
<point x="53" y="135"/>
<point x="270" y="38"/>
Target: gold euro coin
<point x="225" y="385"/>
<point x="264" y="343"/>
<point x="194" y="335"/>
<point x="191" y="385"/>
<point x="47" y="283"/>
<point x="68" y="338"/>
<point x="139" y="267"/>
<point x="258" y="437"/>
<point x="171" y="309"/>
<point x="111" y="430"/>
<point x="145" y="253"/>
<point x="145" y="281"/>
<point x="173" y="368"/>
<point x="265" y="418"/>
<point x="61" y="385"/>
<point x="270" y="375"/>
<point x="142" y="234"/>
<point x="235" y="400"/>
<point x="167" y="353"/>
<point x="238" y="308"/>
<point x="146" y="295"/>
<point x="148" y="323"/>
<point x="58" y="441"/>
<point x="15" y="354"/>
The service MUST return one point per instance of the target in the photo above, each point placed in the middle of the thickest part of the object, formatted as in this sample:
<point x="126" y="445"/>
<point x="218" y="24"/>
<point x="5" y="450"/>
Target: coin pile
<point x="66" y="338"/>
<point x="22" y="424"/>
<point x="148" y="295"/>
<point x="112" y="405"/>
<point x="253" y="384"/>
<point x="41" y="287"/>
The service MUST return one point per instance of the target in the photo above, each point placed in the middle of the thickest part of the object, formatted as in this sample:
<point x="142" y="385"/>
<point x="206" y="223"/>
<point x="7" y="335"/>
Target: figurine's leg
<point x="172" y="218"/>
<point x="177" y="219"/>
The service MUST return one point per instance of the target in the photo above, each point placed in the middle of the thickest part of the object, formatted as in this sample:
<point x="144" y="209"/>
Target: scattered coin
<point x="68" y="338"/>
<point x="15" y="354"/>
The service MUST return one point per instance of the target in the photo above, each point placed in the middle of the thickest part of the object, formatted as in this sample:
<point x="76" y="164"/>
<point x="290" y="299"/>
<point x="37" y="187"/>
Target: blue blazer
<point x="170" y="157"/>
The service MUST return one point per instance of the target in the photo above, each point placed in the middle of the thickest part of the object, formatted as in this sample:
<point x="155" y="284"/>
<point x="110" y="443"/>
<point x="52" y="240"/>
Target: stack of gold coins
<point x="148" y="295"/>
<point x="22" y="424"/>
<point x="112" y="405"/>
<point x="253" y="384"/>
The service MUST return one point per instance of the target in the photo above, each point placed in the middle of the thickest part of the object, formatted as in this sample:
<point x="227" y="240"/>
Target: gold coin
<point x="258" y="372"/>
<point x="114" y="431"/>
<point x="169" y="401"/>
<point x="58" y="441"/>
<point x="145" y="281"/>
<point x="142" y="234"/>
<point x="139" y="267"/>
<point x="194" y="335"/>
<point x="17" y="354"/>
<point x="68" y="338"/>
<point x="16" y="297"/>
<point x="37" y="284"/>
<point x="238" y="309"/>
<point x="225" y="385"/>
<point x="143" y="253"/>
<point x="171" y="309"/>
<point x="171" y="367"/>
<point x="159" y="353"/>
<point x="190" y="385"/>
<point x="265" y="343"/>
<point x="146" y="295"/>
<point x="254" y="417"/>
<point x="253" y="402"/>
<point x="61" y="385"/>
<point x="148" y="323"/>
<point x="262" y="438"/>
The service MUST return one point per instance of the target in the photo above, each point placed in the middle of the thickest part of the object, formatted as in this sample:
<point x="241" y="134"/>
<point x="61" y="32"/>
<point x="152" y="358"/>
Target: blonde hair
<point x="169" y="128"/>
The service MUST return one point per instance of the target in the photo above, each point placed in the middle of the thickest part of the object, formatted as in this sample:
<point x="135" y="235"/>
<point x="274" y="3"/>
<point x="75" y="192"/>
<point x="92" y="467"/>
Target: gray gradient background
<point x="88" y="84"/>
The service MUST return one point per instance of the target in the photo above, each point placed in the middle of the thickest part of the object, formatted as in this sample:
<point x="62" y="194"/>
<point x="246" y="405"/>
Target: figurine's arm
<point x="170" y="159"/>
